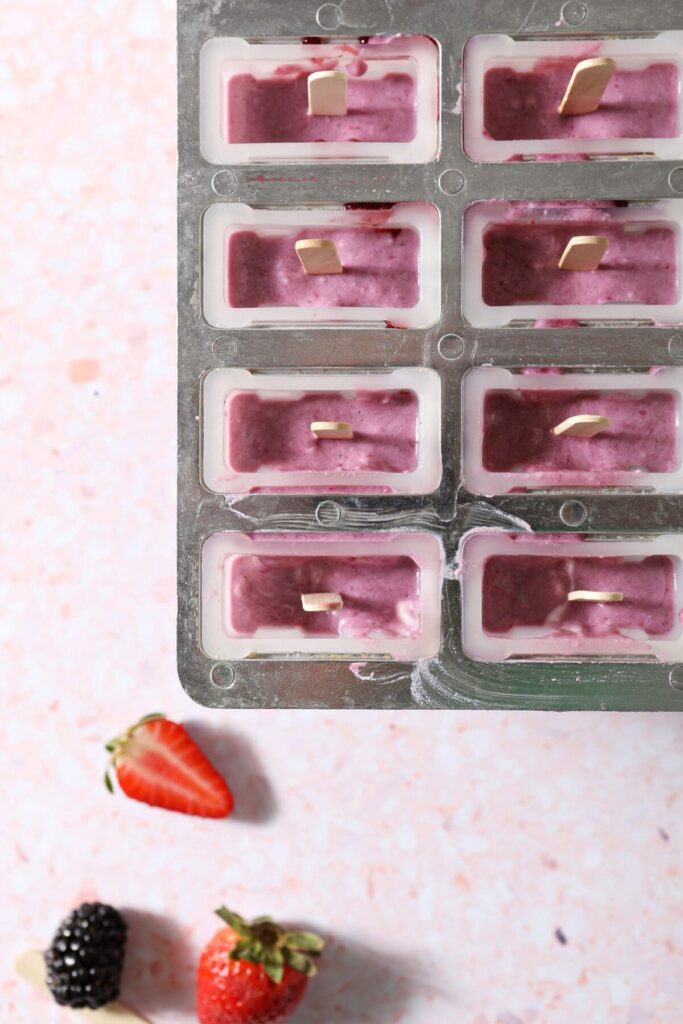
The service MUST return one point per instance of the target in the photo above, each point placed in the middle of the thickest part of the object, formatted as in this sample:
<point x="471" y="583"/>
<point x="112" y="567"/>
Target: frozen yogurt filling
<point x="380" y="269"/>
<point x="275" y="433"/>
<point x="518" y="431"/>
<point x="275" y="110"/>
<point x="521" y="264"/>
<point x="529" y="592"/>
<point x="637" y="104"/>
<point x="380" y="594"/>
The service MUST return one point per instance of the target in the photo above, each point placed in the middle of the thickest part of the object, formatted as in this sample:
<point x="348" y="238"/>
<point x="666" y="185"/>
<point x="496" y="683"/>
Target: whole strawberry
<point x="254" y="972"/>
<point x="157" y="761"/>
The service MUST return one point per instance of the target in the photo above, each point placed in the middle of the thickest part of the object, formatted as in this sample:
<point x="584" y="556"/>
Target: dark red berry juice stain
<point x="368" y="206"/>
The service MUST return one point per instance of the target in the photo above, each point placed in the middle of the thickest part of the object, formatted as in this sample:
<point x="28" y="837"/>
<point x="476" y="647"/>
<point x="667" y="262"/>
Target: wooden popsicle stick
<point x="30" y="966"/>
<point x="598" y="596"/>
<point x="582" y="426"/>
<point x="589" y="80"/>
<point x="327" y="93"/>
<point x="321" y="602"/>
<point x="333" y="429"/>
<point x="583" y="252"/>
<point x="318" y="256"/>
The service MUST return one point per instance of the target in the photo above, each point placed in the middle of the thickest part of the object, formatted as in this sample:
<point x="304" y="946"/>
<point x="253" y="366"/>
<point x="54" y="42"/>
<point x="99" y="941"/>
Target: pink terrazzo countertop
<point x="536" y="859"/>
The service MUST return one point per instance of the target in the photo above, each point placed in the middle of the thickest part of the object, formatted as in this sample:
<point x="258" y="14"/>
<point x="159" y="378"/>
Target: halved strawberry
<point x="157" y="762"/>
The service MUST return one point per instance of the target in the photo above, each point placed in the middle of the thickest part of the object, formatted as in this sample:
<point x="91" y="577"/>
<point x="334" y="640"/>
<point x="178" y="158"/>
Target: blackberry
<point x="85" y="960"/>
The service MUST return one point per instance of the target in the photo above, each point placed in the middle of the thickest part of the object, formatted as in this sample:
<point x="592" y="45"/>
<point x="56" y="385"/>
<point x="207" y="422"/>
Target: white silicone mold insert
<point x="485" y="213"/>
<point x="222" y="219"/>
<point x="544" y="642"/>
<point x="479" y="381"/>
<point x="220" y="643"/>
<point x="220" y="384"/>
<point x="484" y="52"/>
<point x="222" y="58"/>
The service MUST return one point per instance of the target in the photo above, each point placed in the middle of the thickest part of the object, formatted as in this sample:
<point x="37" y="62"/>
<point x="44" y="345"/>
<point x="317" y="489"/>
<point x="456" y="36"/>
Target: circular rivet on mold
<point x="676" y="179"/>
<point x="676" y="347"/>
<point x="573" y="513"/>
<point x="224" y="183"/>
<point x="328" y="513"/>
<point x="451" y="181"/>
<point x="224" y="348"/>
<point x="574" y="13"/>
<point x="450" y="346"/>
<point x="676" y="677"/>
<point x="329" y="16"/>
<point x="223" y="676"/>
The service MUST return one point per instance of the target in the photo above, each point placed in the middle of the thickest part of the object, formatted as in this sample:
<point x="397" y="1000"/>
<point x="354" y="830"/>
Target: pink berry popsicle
<point x="637" y="104"/>
<point x="276" y="432"/>
<point x="380" y="594"/>
<point x="275" y="109"/>
<point x="380" y="269"/>
<point x="521" y="263"/>
<point x="518" y="431"/>
<point x="531" y="593"/>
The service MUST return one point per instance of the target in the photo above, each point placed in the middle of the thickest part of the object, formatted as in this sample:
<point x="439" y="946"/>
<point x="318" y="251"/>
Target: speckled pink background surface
<point x="439" y="852"/>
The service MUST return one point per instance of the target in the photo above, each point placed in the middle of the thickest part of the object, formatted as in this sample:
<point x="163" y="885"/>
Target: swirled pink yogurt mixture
<point x="275" y="433"/>
<point x="380" y="594"/>
<point x="530" y="592"/>
<point x="275" y="109"/>
<point x="637" y="104"/>
<point x="381" y="269"/>
<point x="518" y="431"/>
<point x="521" y="263"/>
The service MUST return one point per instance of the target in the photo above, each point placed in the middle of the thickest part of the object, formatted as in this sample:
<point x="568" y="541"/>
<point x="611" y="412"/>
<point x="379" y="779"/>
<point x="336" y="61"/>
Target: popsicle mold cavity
<point x="512" y="253"/>
<point x="390" y="260"/>
<point x="258" y="437"/>
<point x="510" y="444"/>
<point x="513" y="90"/>
<point x="516" y="596"/>
<point x="389" y="589"/>
<point x="254" y="100"/>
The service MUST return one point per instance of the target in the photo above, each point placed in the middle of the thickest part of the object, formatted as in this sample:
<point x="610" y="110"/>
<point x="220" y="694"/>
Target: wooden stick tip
<point x="332" y="429"/>
<point x="582" y="426"/>
<point x="323" y="602"/>
<point x="327" y="93"/>
<point x="318" y="256"/>
<point x="596" y="596"/>
<point x="586" y="86"/>
<point x="583" y="252"/>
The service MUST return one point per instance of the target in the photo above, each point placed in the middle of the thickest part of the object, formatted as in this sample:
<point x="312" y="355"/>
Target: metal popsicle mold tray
<point x="443" y="342"/>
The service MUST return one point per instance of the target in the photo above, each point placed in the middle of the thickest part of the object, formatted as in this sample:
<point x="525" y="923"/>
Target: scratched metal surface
<point x="450" y="346"/>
